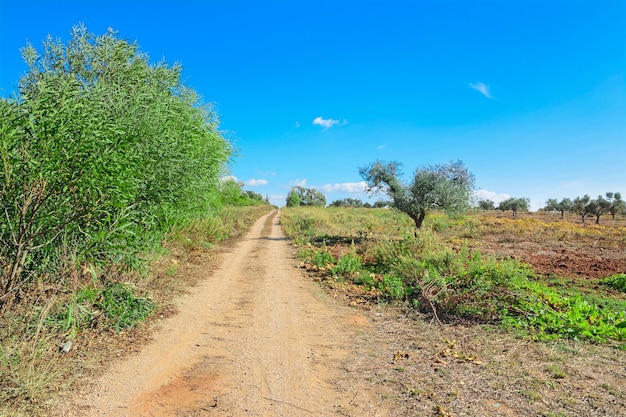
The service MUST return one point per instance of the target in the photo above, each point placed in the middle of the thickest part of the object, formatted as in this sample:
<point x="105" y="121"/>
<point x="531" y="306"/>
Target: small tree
<point x="602" y="205"/>
<point x="580" y="206"/>
<point x="565" y="205"/>
<point x="293" y="198"/>
<point x="486" y="205"/>
<point x="617" y="206"/>
<point x="514" y="204"/>
<point x="447" y="187"/>
<point x="300" y="196"/>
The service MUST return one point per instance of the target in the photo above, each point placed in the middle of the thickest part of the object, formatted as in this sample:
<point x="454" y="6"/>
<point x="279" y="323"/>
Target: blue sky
<point x="530" y="95"/>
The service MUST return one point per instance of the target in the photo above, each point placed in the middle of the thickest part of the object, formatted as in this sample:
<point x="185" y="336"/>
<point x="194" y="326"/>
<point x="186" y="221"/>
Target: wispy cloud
<point x="482" y="88"/>
<point x="299" y="183"/>
<point x="327" y="123"/>
<point x="345" y="187"/>
<point x="297" y="124"/>
<point x="252" y="182"/>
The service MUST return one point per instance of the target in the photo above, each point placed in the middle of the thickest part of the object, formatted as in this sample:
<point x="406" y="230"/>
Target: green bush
<point x="347" y="265"/>
<point x="122" y="307"/>
<point x="393" y="287"/>
<point x="617" y="282"/>
<point x="101" y="149"/>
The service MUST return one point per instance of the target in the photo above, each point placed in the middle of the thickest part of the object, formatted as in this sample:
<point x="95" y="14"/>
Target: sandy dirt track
<point x="255" y="338"/>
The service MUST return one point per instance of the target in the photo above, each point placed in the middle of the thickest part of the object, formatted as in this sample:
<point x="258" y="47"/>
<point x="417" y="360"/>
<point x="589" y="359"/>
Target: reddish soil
<point x="577" y="256"/>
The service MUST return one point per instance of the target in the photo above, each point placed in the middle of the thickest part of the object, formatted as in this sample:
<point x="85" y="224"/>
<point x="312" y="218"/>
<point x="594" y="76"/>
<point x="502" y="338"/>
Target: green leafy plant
<point x="122" y="307"/>
<point x="394" y="287"/>
<point x="617" y="282"/>
<point x="347" y="265"/>
<point x="91" y="153"/>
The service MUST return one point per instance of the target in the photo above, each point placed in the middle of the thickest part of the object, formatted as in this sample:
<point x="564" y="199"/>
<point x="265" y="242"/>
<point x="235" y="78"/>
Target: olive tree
<point x="563" y="206"/>
<point x="617" y="205"/>
<point x="514" y="204"/>
<point x="486" y="205"/>
<point x="446" y="187"/>
<point x="580" y="207"/>
<point x="602" y="205"/>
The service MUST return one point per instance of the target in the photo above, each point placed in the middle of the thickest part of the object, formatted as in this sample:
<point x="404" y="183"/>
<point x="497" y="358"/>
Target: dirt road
<point x="255" y="338"/>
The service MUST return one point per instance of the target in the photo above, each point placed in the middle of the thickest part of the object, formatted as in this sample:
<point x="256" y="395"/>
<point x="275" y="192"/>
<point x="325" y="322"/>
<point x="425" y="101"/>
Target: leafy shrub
<point x="122" y="307"/>
<point x="322" y="258"/>
<point x="617" y="282"/>
<point x="91" y="152"/>
<point x="347" y="265"/>
<point x="394" y="287"/>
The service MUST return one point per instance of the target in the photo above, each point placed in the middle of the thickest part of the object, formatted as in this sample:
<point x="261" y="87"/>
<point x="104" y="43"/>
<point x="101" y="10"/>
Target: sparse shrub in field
<point x="462" y="282"/>
<point x="347" y="265"/>
<point x="617" y="282"/>
<point x="393" y="286"/>
<point x="319" y="257"/>
<point x="365" y="279"/>
<point x="322" y="258"/>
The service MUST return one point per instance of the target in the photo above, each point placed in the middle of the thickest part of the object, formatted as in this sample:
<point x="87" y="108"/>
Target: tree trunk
<point x="418" y="219"/>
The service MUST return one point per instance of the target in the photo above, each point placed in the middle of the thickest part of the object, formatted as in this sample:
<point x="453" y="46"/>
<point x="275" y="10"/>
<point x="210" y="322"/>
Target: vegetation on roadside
<point x="108" y="164"/>
<point x="435" y="272"/>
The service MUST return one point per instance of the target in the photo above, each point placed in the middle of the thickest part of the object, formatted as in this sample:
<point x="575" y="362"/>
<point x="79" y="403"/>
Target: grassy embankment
<point x="96" y="314"/>
<point x="441" y="273"/>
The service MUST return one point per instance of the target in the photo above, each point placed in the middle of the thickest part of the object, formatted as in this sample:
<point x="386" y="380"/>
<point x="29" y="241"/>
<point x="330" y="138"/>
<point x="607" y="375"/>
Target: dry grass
<point x="35" y="372"/>
<point x="467" y="369"/>
<point x="463" y="369"/>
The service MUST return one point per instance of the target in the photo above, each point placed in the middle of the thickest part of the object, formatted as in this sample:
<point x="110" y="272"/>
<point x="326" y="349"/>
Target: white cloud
<point x="482" y="88"/>
<point x="299" y="183"/>
<point x="252" y="182"/>
<point x="345" y="187"/>
<point x="229" y="178"/>
<point x="328" y="123"/>
<point x="490" y="195"/>
<point x="382" y="146"/>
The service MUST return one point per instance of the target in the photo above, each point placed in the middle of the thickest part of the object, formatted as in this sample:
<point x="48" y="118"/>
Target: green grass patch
<point x="617" y="282"/>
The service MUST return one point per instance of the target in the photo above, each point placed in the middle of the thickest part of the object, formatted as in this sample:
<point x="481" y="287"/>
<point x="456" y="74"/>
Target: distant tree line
<point x="301" y="196"/>
<point x="584" y="206"/>
<point x="356" y="203"/>
<point x="513" y="204"/>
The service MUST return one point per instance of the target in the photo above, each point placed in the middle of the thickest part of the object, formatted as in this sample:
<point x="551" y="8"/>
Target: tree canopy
<point x="514" y="204"/>
<point x="301" y="196"/>
<point x="446" y="187"/>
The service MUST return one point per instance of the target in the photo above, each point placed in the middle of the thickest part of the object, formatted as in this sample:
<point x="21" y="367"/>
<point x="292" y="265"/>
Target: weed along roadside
<point x="474" y="316"/>
<point x="61" y="336"/>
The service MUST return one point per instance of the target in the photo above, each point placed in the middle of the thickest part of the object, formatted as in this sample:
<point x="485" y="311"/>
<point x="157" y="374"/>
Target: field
<point x="482" y="314"/>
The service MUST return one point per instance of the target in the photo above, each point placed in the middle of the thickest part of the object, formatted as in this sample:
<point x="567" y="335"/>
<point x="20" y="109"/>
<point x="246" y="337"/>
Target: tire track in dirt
<point x="255" y="338"/>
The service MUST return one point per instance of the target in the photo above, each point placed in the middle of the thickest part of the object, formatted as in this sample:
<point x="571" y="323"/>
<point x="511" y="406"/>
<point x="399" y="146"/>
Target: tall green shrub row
<point x="100" y="153"/>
